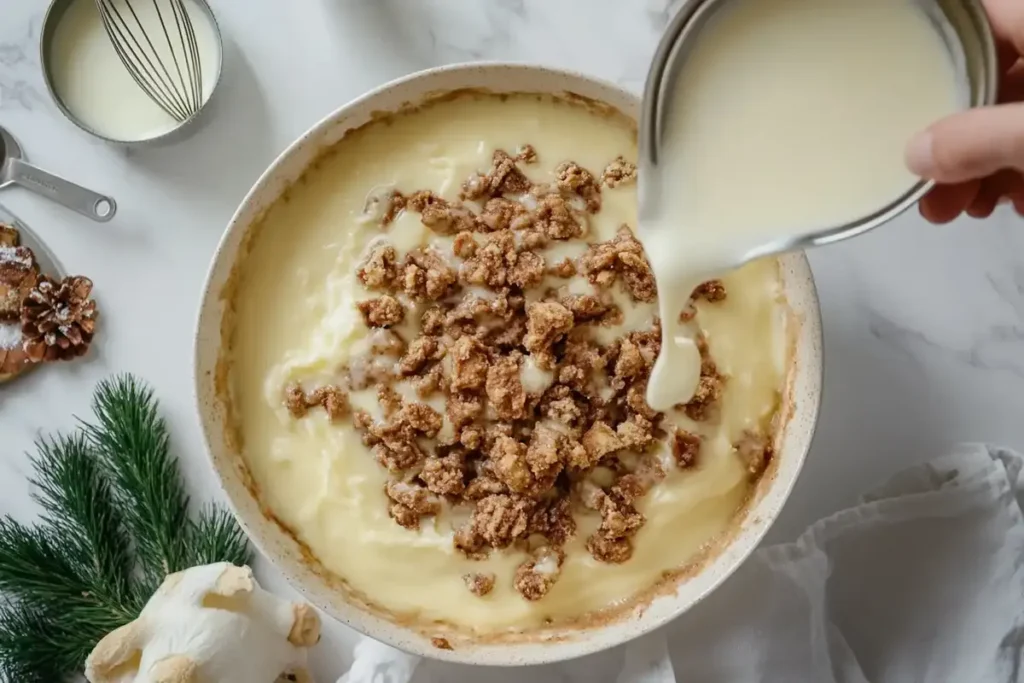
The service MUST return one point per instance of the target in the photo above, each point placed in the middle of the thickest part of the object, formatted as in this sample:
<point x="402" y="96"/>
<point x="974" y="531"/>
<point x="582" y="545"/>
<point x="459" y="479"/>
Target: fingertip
<point x="945" y="203"/>
<point x="981" y="209"/>
<point x="974" y="144"/>
<point x="934" y="213"/>
<point x="920" y="154"/>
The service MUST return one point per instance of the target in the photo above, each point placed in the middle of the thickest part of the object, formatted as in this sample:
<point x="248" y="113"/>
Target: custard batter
<point x="296" y="321"/>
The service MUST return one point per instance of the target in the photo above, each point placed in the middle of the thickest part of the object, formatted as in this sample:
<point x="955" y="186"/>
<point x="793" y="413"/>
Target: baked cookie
<point x="19" y="274"/>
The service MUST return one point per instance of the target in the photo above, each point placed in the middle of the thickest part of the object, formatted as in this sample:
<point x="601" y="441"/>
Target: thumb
<point x="969" y="145"/>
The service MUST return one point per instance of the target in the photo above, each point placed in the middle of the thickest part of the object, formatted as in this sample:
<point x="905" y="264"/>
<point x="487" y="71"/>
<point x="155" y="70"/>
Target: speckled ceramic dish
<point x="793" y="439"/>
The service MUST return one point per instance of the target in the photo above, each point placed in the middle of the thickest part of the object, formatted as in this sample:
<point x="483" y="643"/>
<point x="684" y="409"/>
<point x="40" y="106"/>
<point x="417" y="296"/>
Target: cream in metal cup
<point x="965" y="31"/>
<point x="50" y="43"/>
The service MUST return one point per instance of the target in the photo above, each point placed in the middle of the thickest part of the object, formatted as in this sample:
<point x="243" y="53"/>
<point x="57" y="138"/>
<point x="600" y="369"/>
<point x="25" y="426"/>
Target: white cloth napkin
<point x="922" y="581"/>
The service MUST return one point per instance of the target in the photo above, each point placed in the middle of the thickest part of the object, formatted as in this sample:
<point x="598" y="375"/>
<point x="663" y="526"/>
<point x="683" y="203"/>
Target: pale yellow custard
<point x="296" y="321"/>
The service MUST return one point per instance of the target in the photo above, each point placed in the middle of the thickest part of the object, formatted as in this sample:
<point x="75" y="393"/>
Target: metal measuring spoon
<point x="15" y="171"/>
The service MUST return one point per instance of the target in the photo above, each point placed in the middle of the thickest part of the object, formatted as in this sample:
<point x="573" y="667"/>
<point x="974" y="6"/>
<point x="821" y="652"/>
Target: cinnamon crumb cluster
<point x="536" y="410"/>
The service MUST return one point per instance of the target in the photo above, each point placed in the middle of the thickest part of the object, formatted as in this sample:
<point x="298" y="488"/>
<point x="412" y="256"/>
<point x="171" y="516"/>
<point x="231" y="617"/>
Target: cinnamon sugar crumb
<point x="709" y="387"/>
<point x="609" y="549"/>
<point x="380" y="269"/>
<point x="497" y="521"/>
<point x="563" y="269"/>
<point x="508" y="462"/>
<point x="555" y="218"/>
<point x="295" y="400"/>
<point x="331" y="398"/>
<point x="410" y="502"/>
<point x="712" y="291"/>
<point x="526" y="269"/>
<point x="685" y="448"/>
<point x="484" y="486"/>
<point x="444" y="476"/>
<point x="534" y="577"/>
<point x="546" y="323"/>
<point x="600" y="440"/>
<point x="574" y="179"/>
<point x="636" y="433"/>
<point x="621" y="256"/>
<point x="505" y="214"/>
<point x="422" y="350"/>
<point x="463" y="409"/>
<point x="426" y="276"/>
<point x="395" y="205"/>
<point x="464" y="245"/>
<point x="619" y="522"/>
<point x="390" y="400"/>
<point x="469" y="364"/>
<point x="442" y="216"/>
<point x="554" y="521"/>
<point x="526" y="154"/>
<point x="505" y="389"/>
<point x="619" y="172"/>
<point x="383" y="311"/>
<point x="543" y="456"/>
<point x="479" y="584"/>
<point x="504" y="177"/>
<point x="431" y="382"/>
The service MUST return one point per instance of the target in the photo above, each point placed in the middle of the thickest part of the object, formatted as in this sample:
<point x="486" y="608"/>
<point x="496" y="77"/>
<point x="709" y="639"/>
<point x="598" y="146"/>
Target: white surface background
<point x="924" y="326"/>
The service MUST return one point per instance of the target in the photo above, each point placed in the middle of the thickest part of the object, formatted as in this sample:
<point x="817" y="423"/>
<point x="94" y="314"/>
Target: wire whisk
<point x="156" y="42"/>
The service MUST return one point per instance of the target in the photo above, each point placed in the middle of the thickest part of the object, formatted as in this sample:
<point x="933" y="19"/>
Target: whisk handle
<point x="96" y="206"/>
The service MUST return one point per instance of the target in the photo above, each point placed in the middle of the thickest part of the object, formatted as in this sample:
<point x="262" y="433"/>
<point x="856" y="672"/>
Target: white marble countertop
<point x="924" y="325"/>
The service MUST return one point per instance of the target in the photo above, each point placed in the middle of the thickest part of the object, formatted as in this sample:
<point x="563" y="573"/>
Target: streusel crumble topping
<point x="498" y="395"/>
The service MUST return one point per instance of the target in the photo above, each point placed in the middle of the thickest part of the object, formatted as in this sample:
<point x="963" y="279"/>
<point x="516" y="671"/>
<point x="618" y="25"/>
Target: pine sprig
<point x="115" y="522"/>
<point x="132" y="441"/>
<point x="77" y="502"/>
<point x="215" y="537"/>
<point x="32" y="648"/>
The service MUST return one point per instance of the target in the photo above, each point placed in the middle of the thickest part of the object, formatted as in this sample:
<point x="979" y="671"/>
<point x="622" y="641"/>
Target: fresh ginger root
<point x="209" y="623"/>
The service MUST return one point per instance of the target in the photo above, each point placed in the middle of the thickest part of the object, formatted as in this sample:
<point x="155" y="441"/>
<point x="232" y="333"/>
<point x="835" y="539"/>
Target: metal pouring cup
<point x="963" y="26"/>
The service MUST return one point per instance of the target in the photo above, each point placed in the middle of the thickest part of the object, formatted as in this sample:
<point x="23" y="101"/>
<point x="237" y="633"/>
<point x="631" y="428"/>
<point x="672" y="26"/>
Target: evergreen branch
<point x="131" y="440"/>
<point x="75" y="565"/>
<point x="34" y="565"/>
<point x="32" y="650"/>
<point x="215" y="537"/>
<point x="115" y="523"/>
<point x="78" y="504"/>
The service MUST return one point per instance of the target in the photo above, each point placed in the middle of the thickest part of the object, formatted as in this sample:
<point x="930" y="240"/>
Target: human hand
<point x="977" y="157"/>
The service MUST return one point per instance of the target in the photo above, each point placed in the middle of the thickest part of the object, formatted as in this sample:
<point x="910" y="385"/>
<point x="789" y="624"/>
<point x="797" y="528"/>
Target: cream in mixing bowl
<point x="368" y="312"/>
<point x="97" y="89"/>
<point x="788" y="117"/>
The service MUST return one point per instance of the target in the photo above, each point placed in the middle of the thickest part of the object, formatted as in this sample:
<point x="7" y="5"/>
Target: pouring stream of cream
<point x="787" y="116"/>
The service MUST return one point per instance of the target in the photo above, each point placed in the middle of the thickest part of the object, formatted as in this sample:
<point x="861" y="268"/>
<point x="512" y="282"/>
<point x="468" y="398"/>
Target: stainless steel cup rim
<point x="683" y="29"/>
<point x="53" y="15"/>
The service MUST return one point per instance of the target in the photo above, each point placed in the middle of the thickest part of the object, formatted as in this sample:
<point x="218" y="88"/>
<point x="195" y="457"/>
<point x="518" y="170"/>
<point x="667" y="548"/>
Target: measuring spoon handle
<point x="75" y="197"/>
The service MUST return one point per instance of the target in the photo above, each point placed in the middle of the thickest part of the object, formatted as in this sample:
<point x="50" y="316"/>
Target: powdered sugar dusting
<point x="19" y="256"/>
<point x="10" y="336"/>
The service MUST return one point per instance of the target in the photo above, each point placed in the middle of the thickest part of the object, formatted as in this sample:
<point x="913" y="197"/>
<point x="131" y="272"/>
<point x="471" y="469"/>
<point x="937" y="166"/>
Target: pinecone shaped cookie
<point x="58" y="319"/>
<point x="13" y="359"/>
<point x="19" y="274"/>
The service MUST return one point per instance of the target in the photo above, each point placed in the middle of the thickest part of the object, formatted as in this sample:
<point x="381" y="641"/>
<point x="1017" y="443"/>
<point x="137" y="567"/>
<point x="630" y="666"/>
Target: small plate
<point x="46" y="259"/>
<point x="48" y="264"/>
